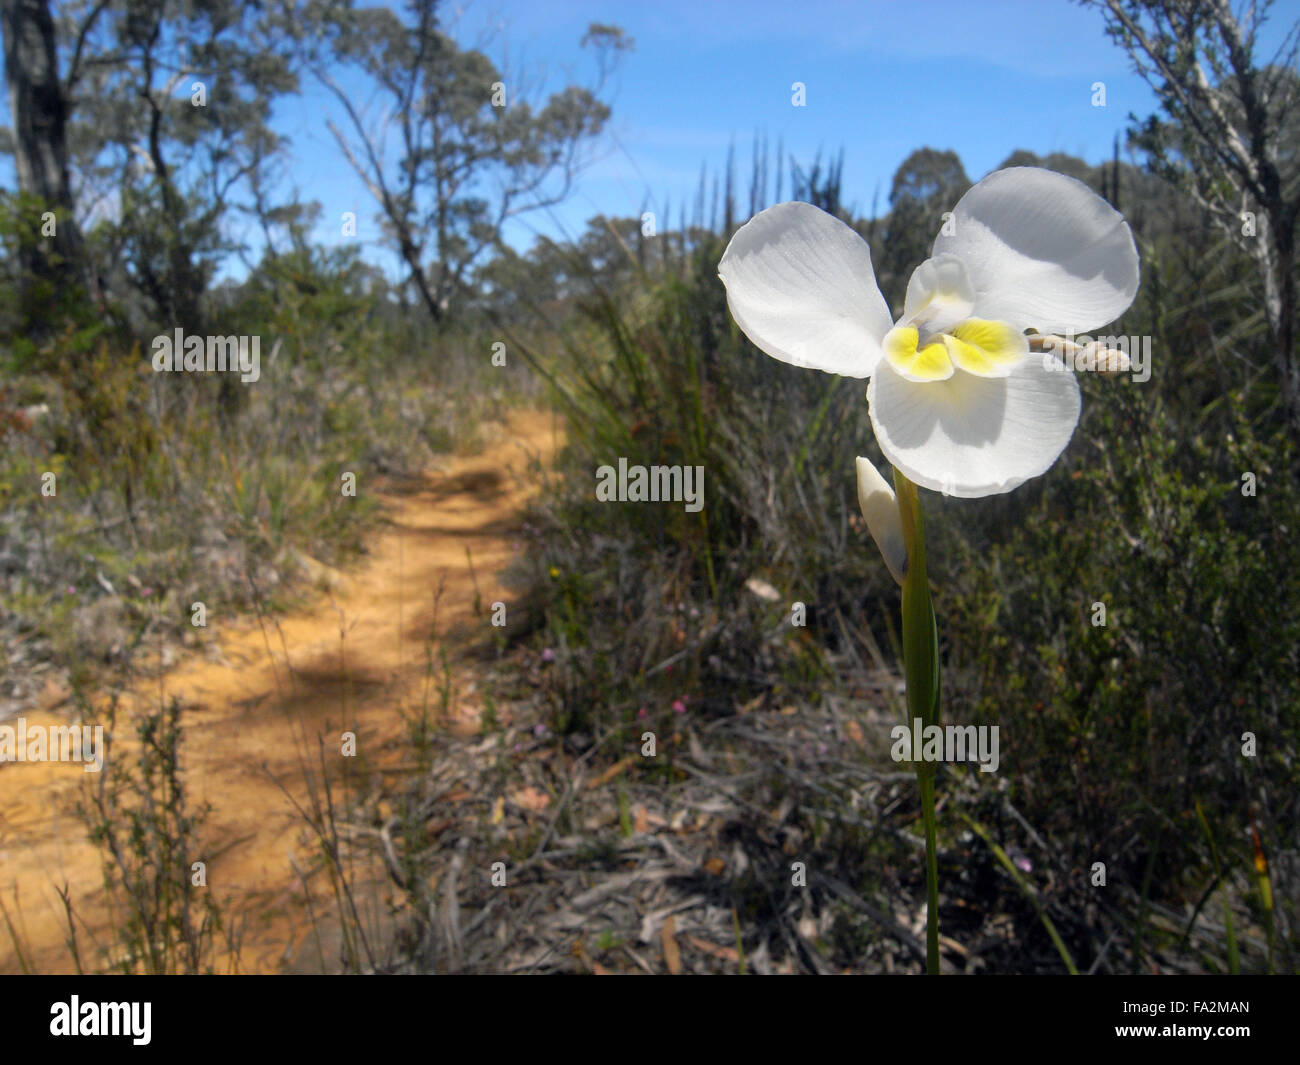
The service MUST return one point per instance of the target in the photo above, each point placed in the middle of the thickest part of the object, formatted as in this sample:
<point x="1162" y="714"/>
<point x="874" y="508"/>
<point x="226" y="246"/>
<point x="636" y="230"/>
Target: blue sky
<point x="883" y="77"/>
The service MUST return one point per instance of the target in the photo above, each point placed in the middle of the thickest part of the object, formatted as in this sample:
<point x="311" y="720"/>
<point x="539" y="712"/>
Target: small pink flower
<point x="548" y="655"/>
<point x="539" y="730"/>
<point x="679" y="706"/>
<point x="642" y="714"/>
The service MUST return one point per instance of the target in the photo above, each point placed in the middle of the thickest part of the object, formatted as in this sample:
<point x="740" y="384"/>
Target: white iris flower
<point x="958" y="402"/>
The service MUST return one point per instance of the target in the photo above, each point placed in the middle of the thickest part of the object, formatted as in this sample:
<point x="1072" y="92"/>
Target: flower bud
<point x="880" y="510"/>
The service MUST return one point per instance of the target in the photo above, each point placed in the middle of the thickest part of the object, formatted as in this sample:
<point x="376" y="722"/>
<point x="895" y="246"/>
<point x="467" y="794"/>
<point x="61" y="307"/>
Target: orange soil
<point x="256" y="703"/>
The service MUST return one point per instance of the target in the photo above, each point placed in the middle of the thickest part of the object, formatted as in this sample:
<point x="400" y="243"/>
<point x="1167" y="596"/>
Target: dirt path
<point x="264" y="692"/>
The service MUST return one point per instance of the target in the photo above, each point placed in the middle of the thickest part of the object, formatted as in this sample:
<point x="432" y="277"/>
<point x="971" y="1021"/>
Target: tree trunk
<point x="1275" y="256"/>
<point x="1285" y="338"/>
<point x="40" y="110"/>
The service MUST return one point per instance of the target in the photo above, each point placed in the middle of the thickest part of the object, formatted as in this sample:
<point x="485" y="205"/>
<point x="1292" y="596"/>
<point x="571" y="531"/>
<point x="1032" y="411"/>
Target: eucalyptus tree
<point x="926" y="184"/>
<point x="38" y="106"/>
<point x="1226" y="135"/>
<point x="150" y="120"/>
<point x="462" y="147"/>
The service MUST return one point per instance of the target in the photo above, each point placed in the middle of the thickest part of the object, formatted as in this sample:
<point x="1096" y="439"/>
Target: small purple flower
<point x="1024" y="864"/>
<point x="71" y="590"/>
<point x="548" y="655"/>
<point x="642" y="714"/>
<point x="539" y="730"/>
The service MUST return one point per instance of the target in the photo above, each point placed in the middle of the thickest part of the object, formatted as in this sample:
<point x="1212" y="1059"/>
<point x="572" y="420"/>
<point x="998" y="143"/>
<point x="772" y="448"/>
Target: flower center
<point x="977" y="346"/>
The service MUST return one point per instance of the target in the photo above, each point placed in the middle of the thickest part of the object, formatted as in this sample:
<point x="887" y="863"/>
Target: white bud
<point x="880" y="509"/>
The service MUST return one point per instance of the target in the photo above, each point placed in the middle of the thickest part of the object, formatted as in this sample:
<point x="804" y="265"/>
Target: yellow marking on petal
<point x="984" y="348"/>
<point x="930" y="363"/>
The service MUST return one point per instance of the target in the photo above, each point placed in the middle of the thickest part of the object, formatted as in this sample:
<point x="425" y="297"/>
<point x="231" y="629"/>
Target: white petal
<point x="1043" y="250"/>
<point x="975" y="436"/>
<point x="880" y="509"/>
<point x="801" y="287"/>
<point x="939" y="290"/>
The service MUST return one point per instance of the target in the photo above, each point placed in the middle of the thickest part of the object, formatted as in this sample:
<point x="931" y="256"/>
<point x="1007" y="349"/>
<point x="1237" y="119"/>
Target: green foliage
<point x="926" y="184"/>
<point x="167" y="494"/>
<point x="1112" y="735"/>
<point x="139" y="815"/>
<point x="659" y="375"/>
<point x="169" y="107"/>
<point x="40" y="313"/>
<point x="1118" y="731"/>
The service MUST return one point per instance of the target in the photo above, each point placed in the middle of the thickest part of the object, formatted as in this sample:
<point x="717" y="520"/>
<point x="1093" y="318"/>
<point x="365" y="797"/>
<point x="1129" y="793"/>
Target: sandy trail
<point x="265" y="690"/>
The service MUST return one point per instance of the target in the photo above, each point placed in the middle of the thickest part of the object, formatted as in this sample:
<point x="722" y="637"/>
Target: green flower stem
<point x="921" y="673"/>
<point x="926" y="782"/>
